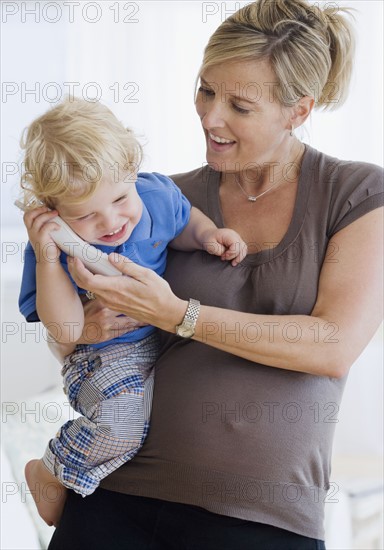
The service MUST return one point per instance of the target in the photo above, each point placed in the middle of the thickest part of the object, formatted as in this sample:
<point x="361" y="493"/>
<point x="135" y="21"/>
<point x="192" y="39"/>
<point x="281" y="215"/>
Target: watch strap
<point x="187" y="327"/>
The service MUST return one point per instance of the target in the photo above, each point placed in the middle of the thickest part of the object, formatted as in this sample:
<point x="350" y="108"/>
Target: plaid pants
<point x="112" y="388"/>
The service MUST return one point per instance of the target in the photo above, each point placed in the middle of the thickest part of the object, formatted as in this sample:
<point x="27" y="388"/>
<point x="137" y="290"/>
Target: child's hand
<point x="39" y="226"/>
<point x="225" y="243"/>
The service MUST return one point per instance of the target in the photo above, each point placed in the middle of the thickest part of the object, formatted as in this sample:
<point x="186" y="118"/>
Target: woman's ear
<point x="301" y="111"/>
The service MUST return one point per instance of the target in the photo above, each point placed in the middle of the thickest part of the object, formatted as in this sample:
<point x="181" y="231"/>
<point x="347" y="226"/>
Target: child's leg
<point x="118" y="432"/>
<point x="112" y="390"/>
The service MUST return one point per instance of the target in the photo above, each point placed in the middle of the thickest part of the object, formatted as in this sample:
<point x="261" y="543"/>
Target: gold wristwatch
<point x="187" y="328"/>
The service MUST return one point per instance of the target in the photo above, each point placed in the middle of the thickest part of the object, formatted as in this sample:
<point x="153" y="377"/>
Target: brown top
<point x="235" y="437"/>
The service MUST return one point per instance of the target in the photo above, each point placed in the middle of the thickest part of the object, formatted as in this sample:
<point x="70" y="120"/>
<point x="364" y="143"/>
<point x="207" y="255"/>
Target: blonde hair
<point x="69" y="149"/>
<point x="309" y="49"/>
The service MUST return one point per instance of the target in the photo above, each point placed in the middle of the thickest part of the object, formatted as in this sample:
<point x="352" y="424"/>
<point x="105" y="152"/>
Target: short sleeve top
<point x="236" y="437"/>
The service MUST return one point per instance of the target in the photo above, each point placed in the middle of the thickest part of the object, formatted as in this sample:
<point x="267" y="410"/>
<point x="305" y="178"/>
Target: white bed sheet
<point x="18" y="531"/>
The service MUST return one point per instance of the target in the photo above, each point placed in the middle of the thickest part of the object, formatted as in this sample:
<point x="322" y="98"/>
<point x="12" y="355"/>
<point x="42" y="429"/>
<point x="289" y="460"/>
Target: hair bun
<point x="309" y="48"/>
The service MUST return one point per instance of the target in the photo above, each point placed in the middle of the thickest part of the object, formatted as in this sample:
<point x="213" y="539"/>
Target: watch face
<point x="185" y="332"/>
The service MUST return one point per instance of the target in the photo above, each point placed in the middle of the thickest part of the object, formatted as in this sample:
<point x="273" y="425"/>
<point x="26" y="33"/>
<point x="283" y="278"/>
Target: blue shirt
<point x="165" y="214"/>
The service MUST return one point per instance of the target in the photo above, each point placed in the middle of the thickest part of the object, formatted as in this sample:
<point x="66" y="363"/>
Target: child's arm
<point x="57" y="302"/>
<point x="202" y="233"/>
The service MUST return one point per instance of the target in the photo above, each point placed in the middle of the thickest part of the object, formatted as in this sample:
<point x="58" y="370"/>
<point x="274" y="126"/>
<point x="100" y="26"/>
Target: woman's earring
<point x="291" y="132"/>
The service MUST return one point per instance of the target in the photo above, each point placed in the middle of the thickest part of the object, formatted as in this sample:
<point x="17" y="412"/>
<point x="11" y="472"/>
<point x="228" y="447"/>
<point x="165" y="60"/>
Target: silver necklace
<point x="253" y="198"/>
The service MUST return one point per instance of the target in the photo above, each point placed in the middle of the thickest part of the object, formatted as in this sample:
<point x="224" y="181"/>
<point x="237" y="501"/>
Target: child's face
<point x="108" y="216"/>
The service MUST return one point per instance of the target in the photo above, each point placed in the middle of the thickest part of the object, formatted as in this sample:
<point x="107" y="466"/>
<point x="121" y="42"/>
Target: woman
<point x="239" y="450"/>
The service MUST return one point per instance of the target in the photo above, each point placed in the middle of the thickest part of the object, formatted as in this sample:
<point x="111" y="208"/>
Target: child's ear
<point x="49" y="204"/>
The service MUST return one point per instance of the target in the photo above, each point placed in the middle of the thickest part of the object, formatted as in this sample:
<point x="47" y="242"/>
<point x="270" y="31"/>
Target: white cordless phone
<point x="69" y="242"/>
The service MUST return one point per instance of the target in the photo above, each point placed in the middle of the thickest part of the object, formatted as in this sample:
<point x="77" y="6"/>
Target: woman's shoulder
<point x="346" y="189"/>
<point x="198" y="177"/>
<point x="333" y="171"/>
<point x="194" y="185"/>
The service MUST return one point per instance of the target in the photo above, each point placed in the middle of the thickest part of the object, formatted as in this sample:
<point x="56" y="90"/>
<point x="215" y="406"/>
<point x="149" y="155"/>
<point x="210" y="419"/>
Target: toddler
<point x="81" y="163"/>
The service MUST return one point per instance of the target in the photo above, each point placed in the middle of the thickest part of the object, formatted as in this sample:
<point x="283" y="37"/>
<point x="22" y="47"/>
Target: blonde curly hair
<point x="69" y="149"/>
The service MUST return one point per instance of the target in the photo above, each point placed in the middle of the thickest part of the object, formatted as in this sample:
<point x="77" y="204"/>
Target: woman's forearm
<point x="303" y="343"/>
<point x="343" y="320"/>
<point x="324" y="343"/>
<point x="293" y="342"/>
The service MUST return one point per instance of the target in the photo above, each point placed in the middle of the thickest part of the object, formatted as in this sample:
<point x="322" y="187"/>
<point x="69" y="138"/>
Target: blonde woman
<point x="244" y="410"/>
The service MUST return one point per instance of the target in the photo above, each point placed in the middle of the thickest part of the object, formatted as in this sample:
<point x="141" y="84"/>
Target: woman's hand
<point x="102" y="324"/>
<point x="142" y="295"/>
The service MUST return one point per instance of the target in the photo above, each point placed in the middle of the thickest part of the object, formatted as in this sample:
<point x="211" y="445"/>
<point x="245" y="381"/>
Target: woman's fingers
<point x="95" y="311"/>
<point x="141" y="294"/>
<point x="85" y="279"/>
<point x="114" y="292"/>
<point x="101" y="323"/>
<point x="127" y="267"/>
<point x="82" y="276"/>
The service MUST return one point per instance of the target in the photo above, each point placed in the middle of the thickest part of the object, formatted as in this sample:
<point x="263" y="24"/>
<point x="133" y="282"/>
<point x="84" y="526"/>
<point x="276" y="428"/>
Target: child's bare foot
<point x="48" y="493"/>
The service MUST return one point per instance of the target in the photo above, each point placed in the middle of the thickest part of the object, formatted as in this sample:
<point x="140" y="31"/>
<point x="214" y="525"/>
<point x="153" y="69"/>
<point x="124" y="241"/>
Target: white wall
<point x="155" y="54"/>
